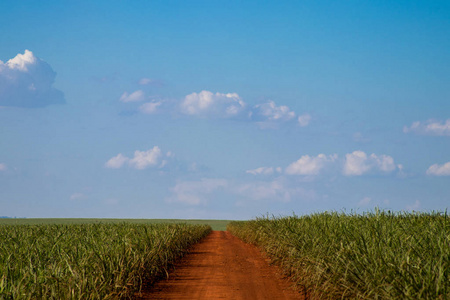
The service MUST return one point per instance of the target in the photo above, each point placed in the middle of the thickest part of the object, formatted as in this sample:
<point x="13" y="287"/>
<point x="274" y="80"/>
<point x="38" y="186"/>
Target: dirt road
<point x="223" y="267"/>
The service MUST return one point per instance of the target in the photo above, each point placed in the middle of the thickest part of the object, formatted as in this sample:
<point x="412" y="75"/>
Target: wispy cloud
<point x="27" y="81"/>
<point x="196" y="192"/>
<point x="150" y="107"/>
<point x="439" y="170"/>
<point x="430" y="127"/>
<point x="77" y="196"/>
<point x="150" y="81"/>
<point x="135" y="96"/>
<point x="304" y="120"/>
<point x="3" y="167"/>
<point x="275" y="190"/>
<point x="263" y="171"/>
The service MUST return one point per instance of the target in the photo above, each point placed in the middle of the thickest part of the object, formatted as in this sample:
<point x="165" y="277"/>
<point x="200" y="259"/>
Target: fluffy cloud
<point x="150" y="107"/>
<point x="430" y="127"/>
<point x="27" y="81"/>
<point x="309" y="165"/>
<point x="140" y="161"/>
<point x="133" y="97"/>
<point x="270" y="112"/>
<point x="358" y="163"/>
<point x="117" y="161"/>
<point x="145" y="159"/>
<point x="263" y="171"/>
<point x="3" y="167"/>
<point x="304" y="120"/>
<point x="207" y="103"/>
<point x="439" y="170"/>
<point x="196" y="192"/>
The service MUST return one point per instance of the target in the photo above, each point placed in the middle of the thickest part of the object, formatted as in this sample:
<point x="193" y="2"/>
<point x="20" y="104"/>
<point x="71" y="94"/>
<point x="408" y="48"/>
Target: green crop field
<point x="378" y="255"/>
<point x="215" y="224"/>
<point x="88" y="261"/>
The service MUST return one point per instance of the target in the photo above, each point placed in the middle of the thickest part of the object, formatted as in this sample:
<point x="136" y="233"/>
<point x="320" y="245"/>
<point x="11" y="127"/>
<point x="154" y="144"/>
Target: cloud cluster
<point x="206" y="104"/>
<point x="3" y="167"/>
<point x="439" y="170"/>
<point x="141" y="160"/>
<point x="430" y="127"/>
<point x="27" y="81"/>
<point x="354" y="164"/>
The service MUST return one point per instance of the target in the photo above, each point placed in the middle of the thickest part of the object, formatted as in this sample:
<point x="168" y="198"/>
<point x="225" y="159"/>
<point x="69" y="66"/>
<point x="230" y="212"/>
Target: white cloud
<point x="150" y="107"/>
<point x="196" y="192"/>
<point x="430" y="127"/>
<point x="383" y="162"/>
<point x="3" y="167"/>
<point x="136" y="96"/>
<point x="140" y="161"/>
<point x="261" y="171"/>
<point x="358" y="163"/>
<point x="439" y="170"/>
<point x="414" y="206"/>
<point x="270" y="112"/>
<point x="117" y="161"/>
<point x="304" y="120"/>
<point x="27" y="81"/>
<point x="309" y="165"/>
<point x="365" y="201"/>
<point x="145" y="159"/>
<point x="207" y="103"/>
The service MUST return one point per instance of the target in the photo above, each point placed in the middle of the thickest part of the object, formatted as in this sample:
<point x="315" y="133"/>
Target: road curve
<point x="222" y="267"/>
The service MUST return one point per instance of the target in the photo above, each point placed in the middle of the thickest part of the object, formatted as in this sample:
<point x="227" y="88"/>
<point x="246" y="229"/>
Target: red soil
<point x="223" y="267"/>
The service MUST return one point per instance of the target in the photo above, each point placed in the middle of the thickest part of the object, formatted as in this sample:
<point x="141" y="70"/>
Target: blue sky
<point x="223" y="109"/>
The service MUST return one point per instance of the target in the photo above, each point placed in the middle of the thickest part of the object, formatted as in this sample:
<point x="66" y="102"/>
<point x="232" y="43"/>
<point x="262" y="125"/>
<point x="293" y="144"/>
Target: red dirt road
<point x="223" y="267"/>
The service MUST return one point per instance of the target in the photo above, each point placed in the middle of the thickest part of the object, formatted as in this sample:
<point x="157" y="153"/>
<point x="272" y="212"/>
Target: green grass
<point x="378" y="255"/>
<point x="215" y="224"/>
<point x="88" y="261"/>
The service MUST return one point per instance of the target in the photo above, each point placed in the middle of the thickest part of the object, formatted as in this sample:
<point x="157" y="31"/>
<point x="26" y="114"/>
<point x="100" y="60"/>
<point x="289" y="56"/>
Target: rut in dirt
<point x="223" y="267"/>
